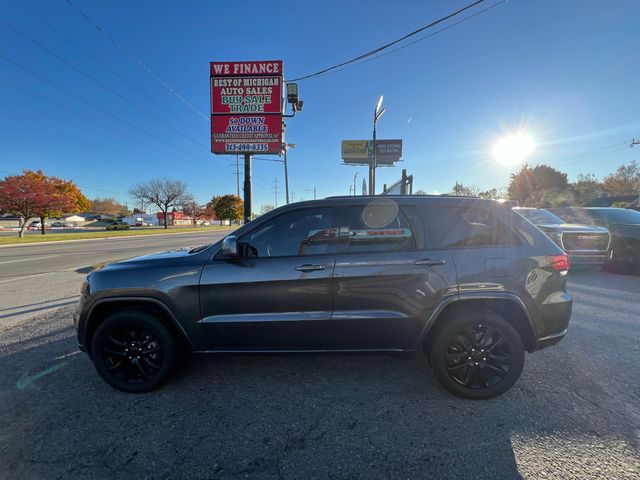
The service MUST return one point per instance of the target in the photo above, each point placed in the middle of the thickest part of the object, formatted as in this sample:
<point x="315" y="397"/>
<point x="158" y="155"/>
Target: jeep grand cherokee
<point x="467" y="281"/>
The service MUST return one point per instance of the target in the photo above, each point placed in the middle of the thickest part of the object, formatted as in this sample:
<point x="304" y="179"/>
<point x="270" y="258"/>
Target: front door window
<point x="298" y="233"/>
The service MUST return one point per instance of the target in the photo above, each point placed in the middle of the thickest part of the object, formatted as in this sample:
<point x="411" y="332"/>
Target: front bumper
<point x="80" y="313"/>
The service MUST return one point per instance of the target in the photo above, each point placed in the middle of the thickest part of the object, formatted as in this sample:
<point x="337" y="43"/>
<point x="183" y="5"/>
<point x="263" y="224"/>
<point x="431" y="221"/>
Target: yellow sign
<point x="357" y="149"/>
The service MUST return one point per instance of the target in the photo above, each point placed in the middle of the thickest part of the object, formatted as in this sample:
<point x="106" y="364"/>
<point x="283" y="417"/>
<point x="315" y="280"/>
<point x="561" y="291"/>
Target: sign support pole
<point x="286" y="176"/>
<point x="247" y="188"/>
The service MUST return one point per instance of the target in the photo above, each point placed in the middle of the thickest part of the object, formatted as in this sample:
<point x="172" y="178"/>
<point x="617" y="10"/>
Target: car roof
<point x="431" y="199"/>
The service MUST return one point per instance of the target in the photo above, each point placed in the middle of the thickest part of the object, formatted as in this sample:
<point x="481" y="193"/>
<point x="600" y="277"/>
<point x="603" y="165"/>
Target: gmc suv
<point x="467" y="281"/>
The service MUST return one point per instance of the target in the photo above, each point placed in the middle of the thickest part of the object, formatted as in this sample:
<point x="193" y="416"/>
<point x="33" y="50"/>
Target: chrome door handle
<point x="307" y="267"/>
<point x="429" y="262"/>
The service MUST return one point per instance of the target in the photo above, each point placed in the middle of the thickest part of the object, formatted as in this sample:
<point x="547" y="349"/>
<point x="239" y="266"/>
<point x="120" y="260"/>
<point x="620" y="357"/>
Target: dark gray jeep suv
<point x="467" y="281"/>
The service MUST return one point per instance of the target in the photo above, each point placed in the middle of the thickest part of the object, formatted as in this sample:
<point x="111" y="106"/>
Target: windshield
<point x="539" y="217"/>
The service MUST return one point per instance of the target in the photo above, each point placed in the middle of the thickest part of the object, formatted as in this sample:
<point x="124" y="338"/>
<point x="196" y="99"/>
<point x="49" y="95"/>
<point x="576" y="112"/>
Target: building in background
<point x="174" y="218"/>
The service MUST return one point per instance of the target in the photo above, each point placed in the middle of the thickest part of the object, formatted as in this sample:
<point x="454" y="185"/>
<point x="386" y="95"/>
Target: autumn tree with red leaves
<point x="192" y="209"/>
<point x="34" y="194"/>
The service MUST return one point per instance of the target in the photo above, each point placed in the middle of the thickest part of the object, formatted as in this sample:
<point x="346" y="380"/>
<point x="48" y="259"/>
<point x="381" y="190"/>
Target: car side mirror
<point x="230" y="246"/>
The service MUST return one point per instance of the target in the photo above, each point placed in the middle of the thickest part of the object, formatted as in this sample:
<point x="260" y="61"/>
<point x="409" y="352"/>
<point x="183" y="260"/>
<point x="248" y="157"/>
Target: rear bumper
<point x="589" y="258"/>
<point x="550" y="340"/>
<point x="555" y="315"/>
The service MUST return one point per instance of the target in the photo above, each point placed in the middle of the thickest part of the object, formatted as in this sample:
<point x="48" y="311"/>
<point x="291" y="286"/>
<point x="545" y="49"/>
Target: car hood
<point x="162" y="257"/>
<point x="571" y="227"/>
<point x="157" y="256"/>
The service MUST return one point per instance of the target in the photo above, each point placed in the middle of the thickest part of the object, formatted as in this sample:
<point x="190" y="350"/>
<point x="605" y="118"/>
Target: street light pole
<point x="377" y="113"/>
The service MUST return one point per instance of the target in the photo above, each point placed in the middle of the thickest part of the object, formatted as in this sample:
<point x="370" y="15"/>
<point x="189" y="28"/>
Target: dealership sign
<point x="360" y="152"/>
<point x="246" y="107"/>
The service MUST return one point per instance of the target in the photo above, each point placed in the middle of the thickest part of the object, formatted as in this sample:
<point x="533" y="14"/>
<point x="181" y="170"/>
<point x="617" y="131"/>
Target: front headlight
<point x="85" y="288"/>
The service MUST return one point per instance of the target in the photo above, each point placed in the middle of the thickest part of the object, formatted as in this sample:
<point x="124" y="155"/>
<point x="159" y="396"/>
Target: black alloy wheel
<point x="133" y="351"/>
<point x="477" y="354"/>
<point x="478" y="357"/>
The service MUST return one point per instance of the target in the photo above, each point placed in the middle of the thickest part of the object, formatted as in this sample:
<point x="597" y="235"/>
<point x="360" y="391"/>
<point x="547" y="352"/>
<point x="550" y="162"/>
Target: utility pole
<point x="275" y="188"/>
<point x="312" y="190"/>
<point x="247" y="188"/>
<point x="633" y="143"/>
<point x="403" y="185"/>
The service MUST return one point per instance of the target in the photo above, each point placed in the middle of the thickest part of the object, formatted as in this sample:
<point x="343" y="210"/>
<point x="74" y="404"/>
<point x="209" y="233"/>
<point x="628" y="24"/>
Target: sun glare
<point x="513" y="149"/>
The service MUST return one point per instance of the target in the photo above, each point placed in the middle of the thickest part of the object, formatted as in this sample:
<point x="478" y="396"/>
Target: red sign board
<point x="246" y="107"/>
<point x="246" y="95"/>
<point x="246" y="133"/>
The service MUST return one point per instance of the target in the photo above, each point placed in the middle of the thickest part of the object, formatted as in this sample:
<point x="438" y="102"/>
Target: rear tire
<point x="133" y="351"/>
<point x="477" y="355"/>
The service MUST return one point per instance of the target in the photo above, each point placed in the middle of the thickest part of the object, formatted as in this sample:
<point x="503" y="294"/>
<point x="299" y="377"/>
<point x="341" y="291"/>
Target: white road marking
<point x="29" y="259"/>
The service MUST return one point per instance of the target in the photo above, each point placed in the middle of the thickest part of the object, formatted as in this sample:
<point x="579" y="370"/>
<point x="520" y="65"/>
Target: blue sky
<point x="567" y="72"/>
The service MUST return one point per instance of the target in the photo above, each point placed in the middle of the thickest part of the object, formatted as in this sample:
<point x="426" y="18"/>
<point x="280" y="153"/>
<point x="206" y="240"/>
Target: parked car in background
<point x="624" y="226"/>
<point x="628" y="201"/>
<point x="586" y="244"/>
<point x="61" y="225"/>
<point x="35" y="225"/>
<point x="465" y="280"/>
<point x="117" y="226"/>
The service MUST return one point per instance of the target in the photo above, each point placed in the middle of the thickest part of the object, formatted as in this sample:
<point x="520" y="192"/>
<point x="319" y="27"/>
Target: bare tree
<point x="163" y="193"/>
<point x="460" y="190"/>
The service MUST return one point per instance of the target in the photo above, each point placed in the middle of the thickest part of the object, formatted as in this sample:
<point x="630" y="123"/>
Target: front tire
<point x="133" y="351"/>
<point x="477" y="355"/>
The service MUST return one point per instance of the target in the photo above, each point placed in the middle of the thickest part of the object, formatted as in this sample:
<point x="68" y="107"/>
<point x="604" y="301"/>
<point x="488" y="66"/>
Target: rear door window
<point x="382" y="226"/>
<point x="467" y="227"/>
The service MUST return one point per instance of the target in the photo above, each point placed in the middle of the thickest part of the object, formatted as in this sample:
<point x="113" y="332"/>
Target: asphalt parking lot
<point x="575" y="413"/>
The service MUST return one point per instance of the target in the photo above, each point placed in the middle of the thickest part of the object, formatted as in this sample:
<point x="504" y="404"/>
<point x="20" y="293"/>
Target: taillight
<point x="559" y="263"/>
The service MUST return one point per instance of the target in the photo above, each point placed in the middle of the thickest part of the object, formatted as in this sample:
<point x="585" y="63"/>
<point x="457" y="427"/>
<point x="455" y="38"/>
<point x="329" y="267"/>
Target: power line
<point x="591" y="155"/>
<point x="135" y="59"/>
<point x="84" y="100"/>
<point x="469" y="17"/>
<point x="96" y="81"/>
<point x="89" y="119"/>
<point x="390" y="44"/>
<point x="101" y="63"/>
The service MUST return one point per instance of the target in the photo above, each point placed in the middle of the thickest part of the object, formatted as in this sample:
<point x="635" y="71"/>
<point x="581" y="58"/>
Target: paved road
<point x="575" y="413"/>
<point x="37" y="277"/>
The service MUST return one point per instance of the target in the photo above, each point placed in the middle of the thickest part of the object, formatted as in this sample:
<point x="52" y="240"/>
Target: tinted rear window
<point x="467" y="227"/>
<point x="619" y="216"/>
<point x="382" y="226"/>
